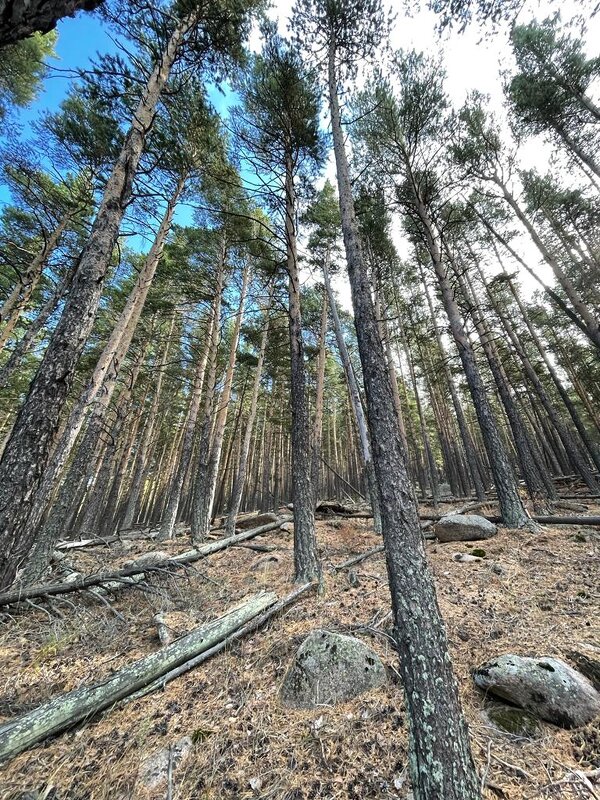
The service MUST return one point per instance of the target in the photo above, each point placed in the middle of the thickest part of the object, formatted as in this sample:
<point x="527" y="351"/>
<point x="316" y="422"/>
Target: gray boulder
<point x="330" y="668"/>
<point x="546" y="687"/>
<point x="464" y="528"/>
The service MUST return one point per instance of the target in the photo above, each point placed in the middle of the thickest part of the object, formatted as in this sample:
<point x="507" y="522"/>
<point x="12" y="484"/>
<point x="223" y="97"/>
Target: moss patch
<point x="514" y="721"/>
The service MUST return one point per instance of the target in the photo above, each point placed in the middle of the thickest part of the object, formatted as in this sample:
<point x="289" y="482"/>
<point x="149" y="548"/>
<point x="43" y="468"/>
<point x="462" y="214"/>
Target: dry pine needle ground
<point x="543" y="599"/>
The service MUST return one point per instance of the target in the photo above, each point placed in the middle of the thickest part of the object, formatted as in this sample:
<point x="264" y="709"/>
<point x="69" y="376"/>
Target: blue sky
<point x="80" y="38"/>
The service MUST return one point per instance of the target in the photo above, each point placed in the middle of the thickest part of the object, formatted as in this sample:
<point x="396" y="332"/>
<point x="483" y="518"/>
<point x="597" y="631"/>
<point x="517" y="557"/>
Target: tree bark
<point x="13" y="306"/>
<point x="22" y="18"/>
<point x="167" y="526"/>
<point x="306" y="563"/>
<point x="440" y="759"/>
<point x="240" y="478"/>
<point x="357" y="406"/>
<point x="317" y="436"/>
<point x="206" y="484"/>
<point x="511" y="506"/>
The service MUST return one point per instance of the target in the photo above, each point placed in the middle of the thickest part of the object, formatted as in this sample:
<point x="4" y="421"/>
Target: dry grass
<point x="543" y="600"/>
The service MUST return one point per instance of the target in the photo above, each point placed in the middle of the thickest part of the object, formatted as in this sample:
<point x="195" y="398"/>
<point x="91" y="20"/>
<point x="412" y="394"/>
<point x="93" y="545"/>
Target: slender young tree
<point x="281" y="105"/>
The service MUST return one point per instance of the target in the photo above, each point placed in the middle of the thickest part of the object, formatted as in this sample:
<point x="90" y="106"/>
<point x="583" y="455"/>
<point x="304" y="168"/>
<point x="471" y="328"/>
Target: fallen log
<point x="189" y="557"/>
<point x="95" y="542"/>
<point x="543" y="520"/>
<point x="70" y="708"/>
<point x="360" y="557"/>
<point x="249" y="627"/>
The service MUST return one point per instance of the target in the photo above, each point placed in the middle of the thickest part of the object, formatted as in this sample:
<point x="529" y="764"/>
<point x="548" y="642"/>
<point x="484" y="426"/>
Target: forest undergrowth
<point x="533" y="594"/>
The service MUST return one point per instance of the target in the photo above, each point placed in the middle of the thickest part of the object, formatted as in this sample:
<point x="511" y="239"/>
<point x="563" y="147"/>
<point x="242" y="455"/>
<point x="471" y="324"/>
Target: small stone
<point x="463" y="634"/>
<point x="148" y="559"/>
<point x="465" y="558"/>
<point x="353" y="578"/>
<point x="287" y="527"/>
<point x="154" y="769"/>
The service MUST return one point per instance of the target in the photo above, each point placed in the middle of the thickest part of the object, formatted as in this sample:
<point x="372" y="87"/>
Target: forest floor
<point x="533" y="594"/>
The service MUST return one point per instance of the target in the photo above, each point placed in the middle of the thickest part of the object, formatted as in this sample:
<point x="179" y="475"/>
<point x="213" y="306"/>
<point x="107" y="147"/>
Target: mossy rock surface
<point x="330" y="668"/>
<point x="545" y="686"/>
<point x="514" y="721"/>
<point x="479" y="552"/>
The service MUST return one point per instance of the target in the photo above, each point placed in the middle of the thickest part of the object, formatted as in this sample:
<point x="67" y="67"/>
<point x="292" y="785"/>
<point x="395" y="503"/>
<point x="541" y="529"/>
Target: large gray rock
<point x="547" y="687"/>
<point x="330" y="668"/>
<point x="464" y="528"/>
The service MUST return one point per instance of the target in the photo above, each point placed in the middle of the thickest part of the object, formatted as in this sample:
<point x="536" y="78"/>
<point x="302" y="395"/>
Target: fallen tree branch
<point x="70" y="708"/>
<point x="360" y="557"/>
<point x="95" y="542"/>
<point x="249" y="627"/>
<point x="47" y="590"/>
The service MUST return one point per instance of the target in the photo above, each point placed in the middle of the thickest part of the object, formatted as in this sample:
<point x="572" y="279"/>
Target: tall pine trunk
<point x="441" y="765"/>
<point x="306" y="563"/>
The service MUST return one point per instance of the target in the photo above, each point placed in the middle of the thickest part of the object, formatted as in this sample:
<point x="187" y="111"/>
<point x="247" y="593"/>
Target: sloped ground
<point x="532" y="595"/>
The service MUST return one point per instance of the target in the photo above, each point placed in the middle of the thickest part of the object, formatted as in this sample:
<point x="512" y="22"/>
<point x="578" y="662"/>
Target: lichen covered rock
<point x="464" y="528"/>
<point x="330" y="668"/>
<point x="547" y="687"/>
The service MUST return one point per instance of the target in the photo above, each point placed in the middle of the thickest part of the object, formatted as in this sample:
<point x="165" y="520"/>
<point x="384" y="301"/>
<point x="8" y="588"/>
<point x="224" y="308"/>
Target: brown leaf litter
<point x="530" y="594"/>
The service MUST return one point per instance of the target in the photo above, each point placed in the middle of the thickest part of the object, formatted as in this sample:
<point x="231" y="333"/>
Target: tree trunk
<point x="141" y="462"/>
<point x="306" y="563"/>
<point x="21" y="18"/>
<point x="240" y="478"/>
<point x="357" y="406"/>
<point x="174" y="492"/>
<point x="511" y="506"/>
<point x="24" y="345"/>
<point x="103" y="381"/>
<point x="467" y="440"/>
<point x="590" y="323"/>
<point x="539" y="486"/>
<point x="441" y="765"/>
<point x="206" y="484"/>
<point x="15" y="303"/>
